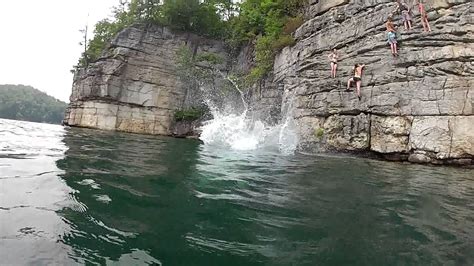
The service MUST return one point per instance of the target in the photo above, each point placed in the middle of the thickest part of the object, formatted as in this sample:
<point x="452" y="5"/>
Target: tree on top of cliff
<point x="203" y="17"/>
<point x="267" y="22"/>
<point x="270" y="24"/>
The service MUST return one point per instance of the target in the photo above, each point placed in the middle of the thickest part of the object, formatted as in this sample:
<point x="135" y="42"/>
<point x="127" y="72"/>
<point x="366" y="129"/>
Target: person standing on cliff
<point x="391" y="36"/>
<point x="357" y="79"/>
<point x="406" y="17"/>
<point x="333" y="56"/>
<point x="424" y="16"/>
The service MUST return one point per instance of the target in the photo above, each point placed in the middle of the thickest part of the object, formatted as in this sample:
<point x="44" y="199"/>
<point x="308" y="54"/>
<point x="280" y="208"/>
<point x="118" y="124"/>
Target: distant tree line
<point x="26" y="103"/>
<point x="267" y="23"/>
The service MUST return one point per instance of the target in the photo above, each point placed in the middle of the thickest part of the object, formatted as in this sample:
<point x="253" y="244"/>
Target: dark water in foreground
<point x="83" y="196"/>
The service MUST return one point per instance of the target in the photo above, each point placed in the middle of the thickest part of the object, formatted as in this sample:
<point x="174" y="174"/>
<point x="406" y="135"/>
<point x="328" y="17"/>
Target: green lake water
<point x="77" y="196"/>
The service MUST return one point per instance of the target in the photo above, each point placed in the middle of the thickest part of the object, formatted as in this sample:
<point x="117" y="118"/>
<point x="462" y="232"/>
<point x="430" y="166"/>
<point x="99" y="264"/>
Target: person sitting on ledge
<point x="357" y="79"/>
<point x="406" y="17"/>
<point x="333" y="56"/>
<point x="424" y="16"/>
<point x="391" y="36"/>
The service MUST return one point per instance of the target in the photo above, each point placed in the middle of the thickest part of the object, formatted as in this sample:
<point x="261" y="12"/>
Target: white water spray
<point x="239" y="132"/>
<point x="287" y="135"/>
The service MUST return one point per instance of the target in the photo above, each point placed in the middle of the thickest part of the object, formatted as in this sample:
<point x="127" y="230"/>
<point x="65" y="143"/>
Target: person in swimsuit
<point x="406" y="17"/>
<point x="333" y="56"/>
<point x="357" y="78"/>
<point x="391" y="36"/>
<point x="424" y="16"/>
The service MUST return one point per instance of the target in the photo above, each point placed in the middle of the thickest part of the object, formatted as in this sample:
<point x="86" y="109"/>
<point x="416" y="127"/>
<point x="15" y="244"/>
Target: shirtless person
<point x="391" y="36"/>
<point x="424" y="16"/>
<point x="357" y="78"/>
<point x="333" y="56"/>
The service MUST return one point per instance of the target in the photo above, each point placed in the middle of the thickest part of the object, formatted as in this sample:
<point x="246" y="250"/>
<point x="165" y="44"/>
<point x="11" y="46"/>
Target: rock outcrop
<point x="417" y="107"/>
<point x="136" y="85"/>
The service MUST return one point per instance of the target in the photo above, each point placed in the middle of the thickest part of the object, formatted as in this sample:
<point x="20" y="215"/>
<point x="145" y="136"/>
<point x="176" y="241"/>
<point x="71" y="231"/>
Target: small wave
<point x="75" y="204"/>
<point x="89" y="182"/>
<point x="119" y="232"/>
<point x="14" y="207"/>
<point x="18" y="156"/>
<point x="103" y="198"/>
<point x="112" y="239"/>
<point x="94" y="171"/>
<point x="130" y="190"/>
<point x="211" y="244"/>
<point x="30" y="231"/>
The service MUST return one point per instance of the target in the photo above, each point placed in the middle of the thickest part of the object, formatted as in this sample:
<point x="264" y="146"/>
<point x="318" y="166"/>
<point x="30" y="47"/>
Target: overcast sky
<point x="40" y="41"/>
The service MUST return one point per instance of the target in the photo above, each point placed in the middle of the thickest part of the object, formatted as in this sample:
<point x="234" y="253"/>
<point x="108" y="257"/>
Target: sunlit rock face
<point x="417" y="107"/>
<point x="135" y="86"/>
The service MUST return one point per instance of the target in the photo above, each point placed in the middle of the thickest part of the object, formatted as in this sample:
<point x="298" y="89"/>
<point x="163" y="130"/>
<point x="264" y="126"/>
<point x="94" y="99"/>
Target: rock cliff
<point x="417" y="107"/>
<point x="136" y="86"/>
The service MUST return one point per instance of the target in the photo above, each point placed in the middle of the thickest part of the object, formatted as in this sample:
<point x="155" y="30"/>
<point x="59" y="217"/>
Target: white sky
<point x="39" y="41"/>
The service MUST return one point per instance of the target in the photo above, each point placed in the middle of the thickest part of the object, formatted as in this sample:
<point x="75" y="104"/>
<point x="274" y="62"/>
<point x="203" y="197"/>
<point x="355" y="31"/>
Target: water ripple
<point x="77" y="196"/>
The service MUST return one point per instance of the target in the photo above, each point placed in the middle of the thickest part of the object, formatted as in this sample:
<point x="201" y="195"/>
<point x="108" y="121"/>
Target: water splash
<point x="238" y="132"/>
<point x="236" y="86"/>
<point x="288" y="135"/>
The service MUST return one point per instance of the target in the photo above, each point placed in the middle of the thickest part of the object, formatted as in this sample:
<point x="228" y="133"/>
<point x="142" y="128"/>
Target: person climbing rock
<point x="357" y="79"/>
<point x="333" y="56"/>
<point x="404" y="9"/>
<point x="424" y="16"/>
<point x="392" y="36"/>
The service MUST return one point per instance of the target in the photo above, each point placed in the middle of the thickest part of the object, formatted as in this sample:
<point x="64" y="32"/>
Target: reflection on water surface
<point x="79" y="195"/>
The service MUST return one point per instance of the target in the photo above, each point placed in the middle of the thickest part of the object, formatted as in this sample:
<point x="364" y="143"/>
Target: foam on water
<point x="239" y="132"/>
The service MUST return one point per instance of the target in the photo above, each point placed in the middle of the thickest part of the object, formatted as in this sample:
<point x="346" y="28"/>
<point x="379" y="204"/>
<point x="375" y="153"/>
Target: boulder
<point x="390" y="134"/>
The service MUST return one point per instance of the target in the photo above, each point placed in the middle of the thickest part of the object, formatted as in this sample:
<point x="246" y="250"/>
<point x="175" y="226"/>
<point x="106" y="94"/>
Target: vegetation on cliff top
<point x="267" y="23"/>
<point x="26" y="103"/>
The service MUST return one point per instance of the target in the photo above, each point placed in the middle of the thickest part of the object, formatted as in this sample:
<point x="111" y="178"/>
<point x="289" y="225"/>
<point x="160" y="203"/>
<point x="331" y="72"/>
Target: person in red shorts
<point x="424" y="16"/>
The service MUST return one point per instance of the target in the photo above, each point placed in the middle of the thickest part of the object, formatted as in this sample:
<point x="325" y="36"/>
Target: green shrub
<point x="184" y="58"/>
<point x="188" y="69"/>
<point x="269" y="23"/>
<point x="292" y="24"/>
<point x="211" y="58"/>
<point x="265" y="50"/>
<point x="191" y="114"/>
<point x="256" y="74"/>
<point x="319" y="133"/>
<point x="202" y="17"/>
<point x="282" y="42"/>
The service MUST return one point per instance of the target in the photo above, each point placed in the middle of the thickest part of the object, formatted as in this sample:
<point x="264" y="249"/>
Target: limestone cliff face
<point x="417" y="107"/>
<point x="136" y="86"/>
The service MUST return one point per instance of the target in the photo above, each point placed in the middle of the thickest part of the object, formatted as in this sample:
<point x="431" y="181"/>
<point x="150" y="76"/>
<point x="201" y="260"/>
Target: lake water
<point x="75" y="196"/>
